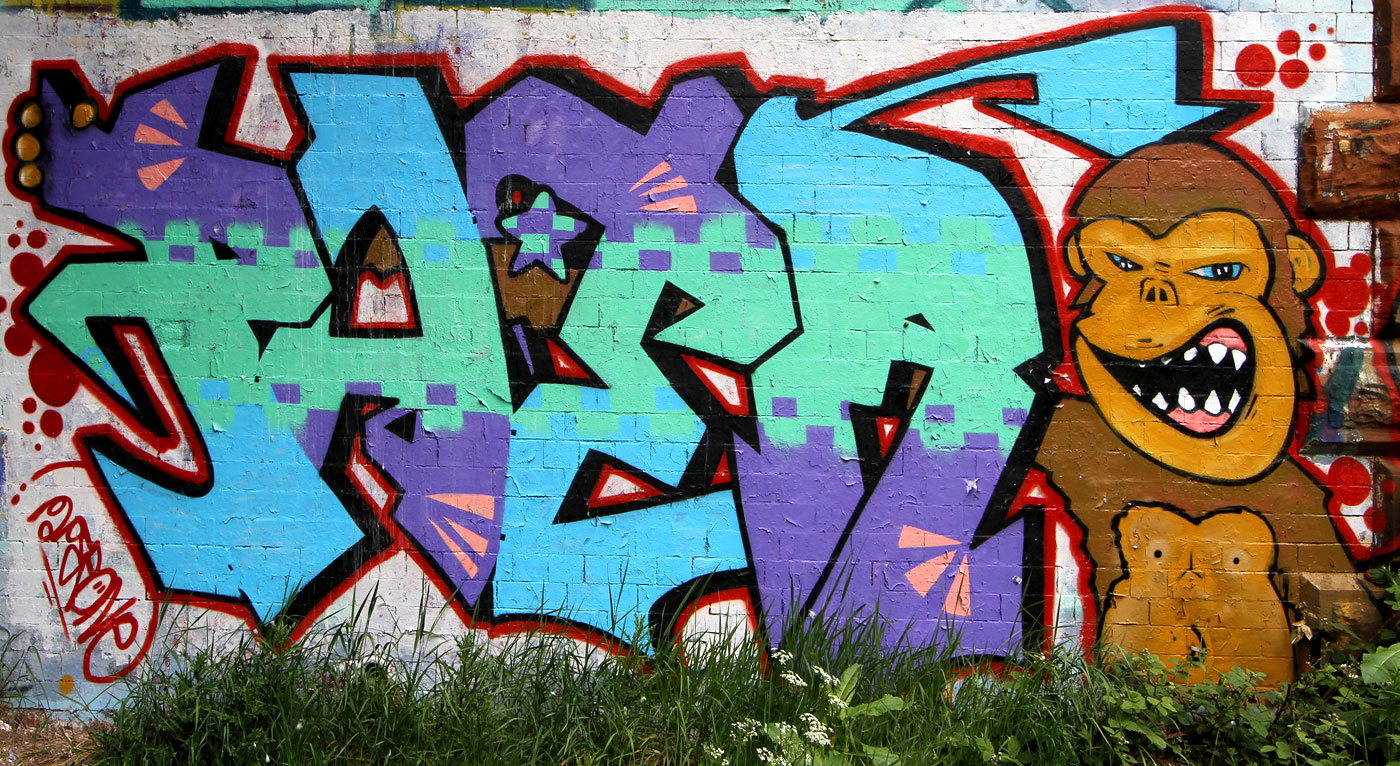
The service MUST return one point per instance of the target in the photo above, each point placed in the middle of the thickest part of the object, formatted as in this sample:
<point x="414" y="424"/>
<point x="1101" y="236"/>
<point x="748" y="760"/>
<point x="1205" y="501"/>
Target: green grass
<point x="347" y="695"/>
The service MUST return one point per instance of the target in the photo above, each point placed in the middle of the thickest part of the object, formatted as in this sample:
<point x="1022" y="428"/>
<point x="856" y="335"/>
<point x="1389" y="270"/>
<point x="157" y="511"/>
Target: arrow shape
<point x="1111" y="92"/>
<point x="259" y="535"/>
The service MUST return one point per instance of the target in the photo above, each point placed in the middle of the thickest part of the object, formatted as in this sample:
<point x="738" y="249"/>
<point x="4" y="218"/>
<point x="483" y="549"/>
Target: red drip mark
<point x="53" y="377"/>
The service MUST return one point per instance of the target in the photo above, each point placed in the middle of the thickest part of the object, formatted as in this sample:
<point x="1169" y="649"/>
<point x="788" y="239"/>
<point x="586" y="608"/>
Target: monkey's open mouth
<point x="1200" y="386"/>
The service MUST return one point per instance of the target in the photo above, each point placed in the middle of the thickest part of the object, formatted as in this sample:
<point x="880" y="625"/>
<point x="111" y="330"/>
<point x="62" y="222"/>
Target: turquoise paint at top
<point x="1081" y="90"/>
<point x="258" y="532"/>
<point x="376" y="143"/>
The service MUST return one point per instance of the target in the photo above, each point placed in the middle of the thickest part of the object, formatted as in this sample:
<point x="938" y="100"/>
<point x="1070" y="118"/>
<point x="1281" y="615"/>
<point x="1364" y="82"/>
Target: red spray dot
<point x="14" y="500"/>
<point x="28" y="426"/>
<point x="14" y="240"/>
<point x="18" y="340"/>
<point x="30" y="405"/>
<point x="3" y="303"/>
<point x="1255" y="65"/>
<point x="1350" y="480"/>
<point x="1312" y="27"/>
<point x="52" y="377"/>
<point x="26" y="269"/>
<point x="1317" y="51"/>
<point x="1293" y="73"/>
<point x="1289" y="42"/>
<point x="51" y="423"/>
<point x="37" y="239"/>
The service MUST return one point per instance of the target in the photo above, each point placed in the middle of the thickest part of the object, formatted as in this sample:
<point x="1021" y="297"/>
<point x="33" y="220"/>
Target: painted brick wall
<point x="998" y="322"/>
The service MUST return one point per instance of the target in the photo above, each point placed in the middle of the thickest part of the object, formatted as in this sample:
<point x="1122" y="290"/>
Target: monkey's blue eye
<point x="1219" y="272"/>
<point x="1123" y="263"/>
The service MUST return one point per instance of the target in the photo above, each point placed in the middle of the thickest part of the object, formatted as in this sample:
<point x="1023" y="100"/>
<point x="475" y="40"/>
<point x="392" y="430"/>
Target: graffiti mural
<point x="585" y="359"/>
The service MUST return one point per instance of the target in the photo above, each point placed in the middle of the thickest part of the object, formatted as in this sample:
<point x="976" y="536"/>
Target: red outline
<point x="441" y="62"/>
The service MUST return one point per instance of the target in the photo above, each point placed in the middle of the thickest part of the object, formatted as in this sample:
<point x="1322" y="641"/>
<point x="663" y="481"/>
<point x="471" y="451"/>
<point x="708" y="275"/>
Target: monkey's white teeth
<point x="1137" y="390"/>
<point x="1234" y="402"/>
<point x="1160" y="401"/>
<point x="1189" y="355"/>
<point x="1217" y="352"/>
<point x="1212" y="404"/>
<point x="1238" y="356"/>
<point x="1184" y="398"/>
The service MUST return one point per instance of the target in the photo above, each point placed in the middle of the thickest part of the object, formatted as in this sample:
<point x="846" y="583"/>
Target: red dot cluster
<point x="52" y="376"/>
<point x="1256" y="66"/>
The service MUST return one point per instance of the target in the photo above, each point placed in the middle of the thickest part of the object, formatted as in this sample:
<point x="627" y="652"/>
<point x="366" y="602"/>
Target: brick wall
<point x="1001" y="324"/>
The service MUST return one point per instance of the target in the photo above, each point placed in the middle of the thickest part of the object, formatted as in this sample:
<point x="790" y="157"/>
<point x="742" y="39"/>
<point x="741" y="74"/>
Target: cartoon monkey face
<point x="1180" y="349"/>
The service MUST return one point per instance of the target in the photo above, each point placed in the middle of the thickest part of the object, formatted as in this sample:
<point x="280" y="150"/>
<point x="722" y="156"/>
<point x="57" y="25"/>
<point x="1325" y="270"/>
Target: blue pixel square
<point x="970" y="263"/>
<point x="804" y="259"/>
<point x="436" y="252"/>
<point x="213" y="389"/>
<point x="595" y="399"/>
<point x="877" y="260"/>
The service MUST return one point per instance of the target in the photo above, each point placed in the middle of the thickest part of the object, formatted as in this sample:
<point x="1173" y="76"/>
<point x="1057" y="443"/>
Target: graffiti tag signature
<point x="87" y="594"/>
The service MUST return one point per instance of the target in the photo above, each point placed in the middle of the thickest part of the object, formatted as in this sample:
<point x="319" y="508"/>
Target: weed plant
<point x="836" y="695"/>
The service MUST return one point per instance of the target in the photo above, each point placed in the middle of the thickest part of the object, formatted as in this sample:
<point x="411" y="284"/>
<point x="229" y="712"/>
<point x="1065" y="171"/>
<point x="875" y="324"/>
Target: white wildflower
<point x="786" y="731"/>
<point x="746" y="729"/>
<point x="826" y="678"/>
<point x="792" y="678"/>
<point x="817" y="732"/>
<point x="716" y="753"/>
<point x="768" y="756"/>
<point x="781" y="657"/>
<point x="836" y="702"/>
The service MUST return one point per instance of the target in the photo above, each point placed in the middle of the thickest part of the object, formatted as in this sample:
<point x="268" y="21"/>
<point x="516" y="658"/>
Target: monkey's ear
<point x="1307" y="264"/>
<point x="1075" y="256"/>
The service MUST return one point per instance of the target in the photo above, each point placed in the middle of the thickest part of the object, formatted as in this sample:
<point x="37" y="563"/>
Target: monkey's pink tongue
<point x="1225" y="336"/>
<point x="1198" y="420"/>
